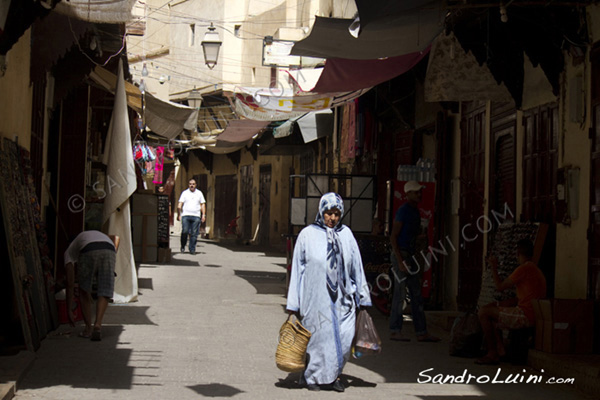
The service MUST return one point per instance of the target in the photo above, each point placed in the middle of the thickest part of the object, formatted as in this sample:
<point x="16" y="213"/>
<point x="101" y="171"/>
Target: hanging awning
<point x="305" y="78"/>
<point x="341" y="75"/>
<point x="108" y="80"/>
<point x="408" y="32"/>
<point x="370" y="11"/>
<point x="313" y="125"/>
<point x="286" y="104"/>
<point x="18" y="16"/>
<point x="240" y="131"/>
<point x="285" y="129"/>
<point x="543" y="34"/>
<point x="169" y="119"/>
<point x="114" y="11"/>
<point x="455" y="75"/>
<point x="316" y="125"/>
<point x="164" y="118"/>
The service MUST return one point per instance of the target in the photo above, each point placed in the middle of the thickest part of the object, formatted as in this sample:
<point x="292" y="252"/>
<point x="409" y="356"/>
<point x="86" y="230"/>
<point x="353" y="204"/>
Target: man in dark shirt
<point x="405" y="269"/>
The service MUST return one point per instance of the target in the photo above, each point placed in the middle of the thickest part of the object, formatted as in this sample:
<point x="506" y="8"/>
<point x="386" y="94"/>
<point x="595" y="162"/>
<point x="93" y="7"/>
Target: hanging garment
<point x="158" y="165"/>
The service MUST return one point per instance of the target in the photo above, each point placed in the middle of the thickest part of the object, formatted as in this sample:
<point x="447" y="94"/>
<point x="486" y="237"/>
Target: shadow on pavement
<point x="268" y="251"/>
<point x="126" y="314"/>
<point x="69" y="360"/>
<point x="357" y="382"/>
<point x="264" y="282"/>
<point x="215" y="390"/>
<point x="175" y="261"/>
<point x="145" y="283"/>
<point x="291" y="381"/>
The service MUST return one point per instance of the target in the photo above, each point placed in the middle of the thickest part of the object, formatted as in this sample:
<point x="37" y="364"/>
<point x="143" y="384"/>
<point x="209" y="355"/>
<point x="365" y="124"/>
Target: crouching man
<point x="93" y="254"/>
<point x="515" y="313"/>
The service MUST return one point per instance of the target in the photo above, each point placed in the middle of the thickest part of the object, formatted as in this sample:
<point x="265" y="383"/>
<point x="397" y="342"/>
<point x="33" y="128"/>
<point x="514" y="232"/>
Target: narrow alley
<point x="207" y="326"/>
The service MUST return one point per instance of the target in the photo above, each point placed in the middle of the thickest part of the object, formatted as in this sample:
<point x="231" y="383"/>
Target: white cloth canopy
<point x="120" y="185"/>
<point x="111" y="11"/>
<point x="164" y="118"/>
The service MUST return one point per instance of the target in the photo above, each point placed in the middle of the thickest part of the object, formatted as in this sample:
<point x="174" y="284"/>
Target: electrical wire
<point x="123" y="39"/>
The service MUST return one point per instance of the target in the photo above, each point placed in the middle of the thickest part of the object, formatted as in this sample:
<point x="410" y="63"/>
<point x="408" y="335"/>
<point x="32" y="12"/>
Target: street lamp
<point x="194" y="99"/>
<point x="210" y="46"/>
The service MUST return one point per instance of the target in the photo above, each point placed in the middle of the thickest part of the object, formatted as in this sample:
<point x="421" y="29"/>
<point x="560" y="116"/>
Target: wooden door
<point x="202" y="185"/>
<point x="264" y="206"/>
<point x="540" y="164"/>
<point x="71" y="172"/>
<point x="472" y="168"/>
<point x="225" y="202"/>
<point x="246" y="173"/>
<point x="594" y="224"/>
<point x="594" y="236"/>
<point x="503" y="162"/>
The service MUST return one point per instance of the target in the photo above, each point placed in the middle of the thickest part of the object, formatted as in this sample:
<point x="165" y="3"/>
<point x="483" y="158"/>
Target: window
<point x="192" y="34"/>
<point x="540" y="163"/>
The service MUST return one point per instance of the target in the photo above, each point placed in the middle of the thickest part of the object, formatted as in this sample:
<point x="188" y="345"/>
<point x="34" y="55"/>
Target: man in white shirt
<point x="191" y="212"/>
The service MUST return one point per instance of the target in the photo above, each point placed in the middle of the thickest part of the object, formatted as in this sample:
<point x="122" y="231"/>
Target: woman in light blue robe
<point x="327" y="285"/>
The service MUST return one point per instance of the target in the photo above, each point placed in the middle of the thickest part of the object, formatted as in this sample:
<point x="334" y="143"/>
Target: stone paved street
<point x="207" y="326"/>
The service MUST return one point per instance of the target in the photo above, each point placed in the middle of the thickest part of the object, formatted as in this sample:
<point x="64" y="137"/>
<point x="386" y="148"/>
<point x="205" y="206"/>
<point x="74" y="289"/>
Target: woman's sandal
<point x="96" y="335"/>
<point x="84" y="334"/>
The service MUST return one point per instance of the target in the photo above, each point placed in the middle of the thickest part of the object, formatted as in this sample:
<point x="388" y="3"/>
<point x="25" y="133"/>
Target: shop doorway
<point x="246" y="173"/>
<point x="202" y="185"/>
<point x="472" y="167"/>
<point x="503" y="164"/>
<point x="264" y="206"/>
<point x="225" y="202"/>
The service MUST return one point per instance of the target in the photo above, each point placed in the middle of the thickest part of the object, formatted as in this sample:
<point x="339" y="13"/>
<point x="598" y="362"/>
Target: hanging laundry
<point x="351" y="130"/>
<point x="144" y="155"/>
<point x="158" y="166"/>
<point x="344" y="136"/>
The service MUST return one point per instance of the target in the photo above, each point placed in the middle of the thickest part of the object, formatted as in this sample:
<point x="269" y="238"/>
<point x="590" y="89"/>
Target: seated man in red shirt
<point x="515" y="313"/>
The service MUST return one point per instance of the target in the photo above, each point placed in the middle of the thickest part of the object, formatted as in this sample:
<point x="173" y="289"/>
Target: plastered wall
<point x="16" y="94"/>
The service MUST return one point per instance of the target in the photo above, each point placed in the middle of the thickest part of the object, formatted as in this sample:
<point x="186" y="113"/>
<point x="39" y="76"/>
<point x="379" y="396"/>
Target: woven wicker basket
<point x="291" y="350"/>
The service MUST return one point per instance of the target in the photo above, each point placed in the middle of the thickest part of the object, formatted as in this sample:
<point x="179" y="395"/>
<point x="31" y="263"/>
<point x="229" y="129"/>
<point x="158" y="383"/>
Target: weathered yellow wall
<point x="574" y="150"/>
<point x="594" y="22"/>
<point x="16" y="93"/>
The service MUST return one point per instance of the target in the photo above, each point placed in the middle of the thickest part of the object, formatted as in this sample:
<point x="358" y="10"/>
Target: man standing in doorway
<point x="407" y="274"/>
<point x="192" y="207"/>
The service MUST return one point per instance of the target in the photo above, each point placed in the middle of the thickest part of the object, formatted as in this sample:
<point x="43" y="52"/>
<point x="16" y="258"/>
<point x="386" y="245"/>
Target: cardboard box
<point x="566" y="326"/>
<point x="164" y="254"/>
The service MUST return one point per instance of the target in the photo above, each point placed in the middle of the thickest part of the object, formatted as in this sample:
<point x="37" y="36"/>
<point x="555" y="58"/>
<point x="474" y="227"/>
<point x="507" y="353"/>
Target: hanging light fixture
<point x="194" y="99"/>
<point x="210" y="46"/>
